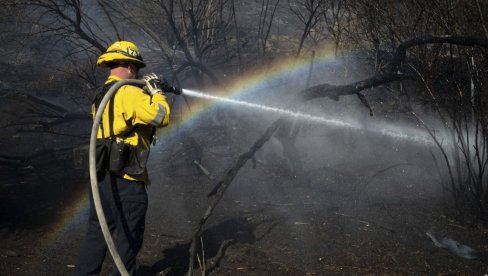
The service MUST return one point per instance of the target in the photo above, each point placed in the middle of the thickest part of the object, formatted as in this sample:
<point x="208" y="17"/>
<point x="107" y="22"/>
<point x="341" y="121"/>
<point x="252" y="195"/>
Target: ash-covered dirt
<point x="356" y="208"/>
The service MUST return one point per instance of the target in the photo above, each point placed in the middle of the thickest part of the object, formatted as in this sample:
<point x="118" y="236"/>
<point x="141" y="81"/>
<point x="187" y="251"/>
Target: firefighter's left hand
<point x="153" y="84"/>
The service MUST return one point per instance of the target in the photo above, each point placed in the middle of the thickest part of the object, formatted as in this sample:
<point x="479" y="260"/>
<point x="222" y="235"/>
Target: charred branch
<point x="47" y="114"/>
<point x="219" y="189"/>
<point x="203" y="169"/>
<point x="71" y="25"/>
<point x="14" y="160"/>
<point x="333" y="92"/>
<point x="392" y="74"/>
<point x="401" y="50"/>
<point x="200" y="67"/>
<point x="42" y="102"/>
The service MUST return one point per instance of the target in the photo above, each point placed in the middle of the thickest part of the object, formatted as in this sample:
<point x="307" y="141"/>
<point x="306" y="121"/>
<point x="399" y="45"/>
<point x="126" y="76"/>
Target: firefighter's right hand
<point x="153" y="84"/>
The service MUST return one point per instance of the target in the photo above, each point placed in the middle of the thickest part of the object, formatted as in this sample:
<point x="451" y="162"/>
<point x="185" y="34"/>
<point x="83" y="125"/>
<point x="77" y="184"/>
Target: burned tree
<point x="468" y="190"/>
<point x="308" y="14"/>
<point x="414" y="53"/>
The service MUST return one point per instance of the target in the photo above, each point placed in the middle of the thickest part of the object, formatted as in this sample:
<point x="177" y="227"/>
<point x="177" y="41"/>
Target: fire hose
<point x="93" y="169"/>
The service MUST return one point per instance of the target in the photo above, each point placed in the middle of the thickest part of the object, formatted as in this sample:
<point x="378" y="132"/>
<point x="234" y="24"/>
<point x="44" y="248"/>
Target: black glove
<point x="170" y="89"/>
<point x="153" y="84"/>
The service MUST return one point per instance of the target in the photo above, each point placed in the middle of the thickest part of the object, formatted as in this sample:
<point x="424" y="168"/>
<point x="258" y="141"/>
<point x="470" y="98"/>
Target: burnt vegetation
<point x="420" y="62"/>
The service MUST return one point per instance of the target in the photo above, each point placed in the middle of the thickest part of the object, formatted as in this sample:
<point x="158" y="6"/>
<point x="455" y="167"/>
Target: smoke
<point x="341" y="150"/>
<point x="338" y="168"/>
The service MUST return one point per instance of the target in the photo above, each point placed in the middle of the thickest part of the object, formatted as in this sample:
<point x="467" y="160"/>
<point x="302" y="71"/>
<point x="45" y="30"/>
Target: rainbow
<point x="254" y="82"/>
<point x="70" y="217"/>
<point x="246" y="84"/>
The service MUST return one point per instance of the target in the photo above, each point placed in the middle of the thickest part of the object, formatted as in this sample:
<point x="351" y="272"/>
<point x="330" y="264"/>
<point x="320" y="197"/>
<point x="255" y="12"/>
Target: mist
<point x="320" y="137"/>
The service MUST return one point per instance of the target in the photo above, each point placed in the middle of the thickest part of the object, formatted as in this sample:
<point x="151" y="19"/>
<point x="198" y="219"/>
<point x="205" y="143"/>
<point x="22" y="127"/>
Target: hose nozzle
<point x="167" y="88"/>
<point x="172" y="89"/>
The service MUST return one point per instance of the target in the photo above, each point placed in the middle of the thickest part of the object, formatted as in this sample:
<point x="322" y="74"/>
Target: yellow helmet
<point x="121" y="51"/>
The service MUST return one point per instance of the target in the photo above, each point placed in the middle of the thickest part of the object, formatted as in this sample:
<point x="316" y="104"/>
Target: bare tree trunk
<point x="265" y="23"/>
<point x="309" y="19"/>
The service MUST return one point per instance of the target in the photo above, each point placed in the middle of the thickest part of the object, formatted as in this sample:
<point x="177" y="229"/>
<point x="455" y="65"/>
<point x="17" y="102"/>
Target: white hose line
<point x="93" y="173"/>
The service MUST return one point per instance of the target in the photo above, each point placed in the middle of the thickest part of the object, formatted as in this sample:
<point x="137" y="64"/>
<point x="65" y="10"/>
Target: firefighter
<point x="123" y="140"/>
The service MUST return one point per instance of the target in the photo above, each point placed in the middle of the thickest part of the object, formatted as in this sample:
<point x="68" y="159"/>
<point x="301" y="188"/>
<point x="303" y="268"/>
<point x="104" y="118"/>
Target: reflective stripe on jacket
<point x="131" y="116"/>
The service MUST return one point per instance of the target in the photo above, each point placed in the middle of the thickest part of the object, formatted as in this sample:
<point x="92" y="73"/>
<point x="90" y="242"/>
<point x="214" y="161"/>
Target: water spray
<point x="414" y="135"/>
<point x="294" y="114"/>
<point x="392" y="132"/>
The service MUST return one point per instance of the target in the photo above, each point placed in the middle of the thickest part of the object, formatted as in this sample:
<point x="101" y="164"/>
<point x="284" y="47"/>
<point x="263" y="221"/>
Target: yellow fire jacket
<point x="131" y="107"/>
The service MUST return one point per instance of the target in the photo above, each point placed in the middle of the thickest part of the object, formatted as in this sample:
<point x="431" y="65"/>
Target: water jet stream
<point x="415" y="135"/>
<point x="294" y="114"/>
